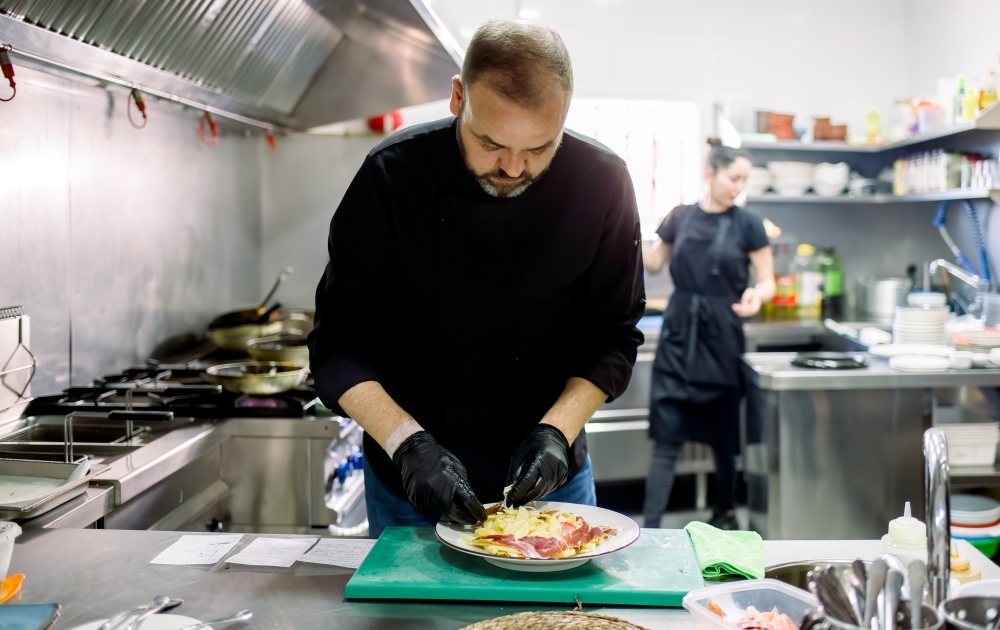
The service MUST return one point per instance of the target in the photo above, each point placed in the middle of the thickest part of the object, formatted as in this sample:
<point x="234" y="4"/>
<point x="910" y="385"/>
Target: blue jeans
<point x="385" y="509"/>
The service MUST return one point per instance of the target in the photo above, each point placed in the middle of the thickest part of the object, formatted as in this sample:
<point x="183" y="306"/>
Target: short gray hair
<point x="516" y="58"/>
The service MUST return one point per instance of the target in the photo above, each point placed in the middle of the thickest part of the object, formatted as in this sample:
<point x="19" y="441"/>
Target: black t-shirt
<point x="692" y="231"/>
<point x="472" y="311"/>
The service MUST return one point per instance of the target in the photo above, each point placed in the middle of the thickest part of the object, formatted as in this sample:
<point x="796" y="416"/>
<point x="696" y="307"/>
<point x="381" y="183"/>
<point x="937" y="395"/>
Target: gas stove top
<point x="181" y="389"/>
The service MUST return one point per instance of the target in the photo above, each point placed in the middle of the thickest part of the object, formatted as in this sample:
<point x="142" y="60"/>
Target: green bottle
<point x="832" y="269"/>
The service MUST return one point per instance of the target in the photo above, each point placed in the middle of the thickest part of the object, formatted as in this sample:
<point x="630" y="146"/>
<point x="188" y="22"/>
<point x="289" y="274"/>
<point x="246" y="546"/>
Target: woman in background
<point x="697" y="385"/>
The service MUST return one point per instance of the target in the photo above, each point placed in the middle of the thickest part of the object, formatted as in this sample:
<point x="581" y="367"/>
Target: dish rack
<point x="19" y="361"/>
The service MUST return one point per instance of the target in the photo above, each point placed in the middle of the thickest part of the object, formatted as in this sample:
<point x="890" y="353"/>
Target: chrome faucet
<point x="938" y="518"/>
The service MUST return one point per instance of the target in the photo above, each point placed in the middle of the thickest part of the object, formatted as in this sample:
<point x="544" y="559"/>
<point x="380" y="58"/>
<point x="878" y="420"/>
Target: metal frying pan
<point x="830" y="360"/>
<point x="232" y="331"/>
<point x="257" y="377"/>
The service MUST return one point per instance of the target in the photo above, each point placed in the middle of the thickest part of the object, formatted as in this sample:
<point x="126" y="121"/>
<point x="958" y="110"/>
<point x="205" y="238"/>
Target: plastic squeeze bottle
<point x="907" y="538"/>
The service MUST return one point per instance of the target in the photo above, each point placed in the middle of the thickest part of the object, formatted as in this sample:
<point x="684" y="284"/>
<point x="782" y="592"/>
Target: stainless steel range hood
<point x="293" y="63"/>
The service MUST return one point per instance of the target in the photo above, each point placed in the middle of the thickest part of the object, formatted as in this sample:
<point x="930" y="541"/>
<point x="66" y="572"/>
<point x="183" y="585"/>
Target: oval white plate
<point x="907" y="363"/>
<point x="156" y="622"/>
<point x="916" y="363"/>
<point x="897" y="349"/>
<point x="628" y="533"/>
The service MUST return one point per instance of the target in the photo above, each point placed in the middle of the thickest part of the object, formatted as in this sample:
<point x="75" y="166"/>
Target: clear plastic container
<point x="8" y="532"/>
<point x="735" y="597"/>
<point x="991" y="309"/>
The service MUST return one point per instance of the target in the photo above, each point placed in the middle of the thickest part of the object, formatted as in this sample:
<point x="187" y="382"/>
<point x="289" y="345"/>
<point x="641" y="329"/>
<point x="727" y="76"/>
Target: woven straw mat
<point x="554" y="621"/>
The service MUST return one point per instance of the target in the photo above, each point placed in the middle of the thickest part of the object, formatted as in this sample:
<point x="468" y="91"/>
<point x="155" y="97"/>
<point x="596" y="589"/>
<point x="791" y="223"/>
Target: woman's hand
<point x="749" y="304"/>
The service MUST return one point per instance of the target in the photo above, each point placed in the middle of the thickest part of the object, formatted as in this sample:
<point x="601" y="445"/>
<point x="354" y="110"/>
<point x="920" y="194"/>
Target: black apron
<point x="701" y="344"/>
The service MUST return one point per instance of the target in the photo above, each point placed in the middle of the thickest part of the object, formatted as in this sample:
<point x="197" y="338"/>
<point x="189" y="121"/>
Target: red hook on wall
<point x="8" y="72"/>
<point x="272" y="142"/>
<point x="213" y="129"/>
<point x="135" y="96"/>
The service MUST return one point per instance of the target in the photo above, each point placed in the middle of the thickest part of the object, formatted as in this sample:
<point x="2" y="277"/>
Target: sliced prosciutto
<point x="528" y="533"/>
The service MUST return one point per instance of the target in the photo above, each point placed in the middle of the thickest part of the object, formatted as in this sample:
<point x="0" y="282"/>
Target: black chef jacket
<point x="473" y="311"/>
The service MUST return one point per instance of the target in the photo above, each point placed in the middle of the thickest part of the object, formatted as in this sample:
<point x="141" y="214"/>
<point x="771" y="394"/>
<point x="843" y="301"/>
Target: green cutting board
<point x="659" y="569"/>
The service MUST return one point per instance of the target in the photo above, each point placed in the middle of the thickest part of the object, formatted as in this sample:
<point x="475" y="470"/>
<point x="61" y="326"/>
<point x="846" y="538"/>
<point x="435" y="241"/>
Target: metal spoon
<point x="876" y="580"/>
<point x="173" y="603"/>
<point x="243" y="615"/>
<point x="160" y="602"/>
<point x="893" y="588"/>
<point x="918" y="571"/>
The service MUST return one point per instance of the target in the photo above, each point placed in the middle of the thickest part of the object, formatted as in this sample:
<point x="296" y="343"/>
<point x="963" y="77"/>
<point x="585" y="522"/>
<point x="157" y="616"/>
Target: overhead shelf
<point x="948" y="195"/>
<point x="988" y="119"/>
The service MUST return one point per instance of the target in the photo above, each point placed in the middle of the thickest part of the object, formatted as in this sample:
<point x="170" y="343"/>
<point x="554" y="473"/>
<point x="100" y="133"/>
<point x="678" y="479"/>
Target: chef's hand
<point x="539" y="465"/>
<point x="749" y="304"/>
<point x="436" y="483"/>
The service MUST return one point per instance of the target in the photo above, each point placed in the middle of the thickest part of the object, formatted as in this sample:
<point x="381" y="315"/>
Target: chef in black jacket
<point x="480" y="302"/>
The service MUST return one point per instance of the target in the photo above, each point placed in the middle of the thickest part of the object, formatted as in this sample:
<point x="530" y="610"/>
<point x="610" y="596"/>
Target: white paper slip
<point x="273" y="552"/>
<point x="340" y="552"/>
<point x="192" y="549"/>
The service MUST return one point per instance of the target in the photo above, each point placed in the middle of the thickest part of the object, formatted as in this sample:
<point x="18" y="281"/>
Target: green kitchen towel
<point x="727" y="553"/>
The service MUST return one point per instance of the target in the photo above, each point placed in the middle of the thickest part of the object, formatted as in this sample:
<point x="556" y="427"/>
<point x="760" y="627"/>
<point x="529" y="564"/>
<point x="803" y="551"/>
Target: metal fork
<point x="107" y="625"/>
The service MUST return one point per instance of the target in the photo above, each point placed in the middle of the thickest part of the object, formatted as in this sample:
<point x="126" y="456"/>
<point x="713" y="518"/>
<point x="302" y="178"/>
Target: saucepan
<point x="233" y="330"/>
<point x="257" y="377"/>
<point x="287" y="347"/>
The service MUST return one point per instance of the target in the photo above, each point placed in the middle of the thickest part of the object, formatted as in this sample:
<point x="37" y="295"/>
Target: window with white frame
<point x="660" y="143"/>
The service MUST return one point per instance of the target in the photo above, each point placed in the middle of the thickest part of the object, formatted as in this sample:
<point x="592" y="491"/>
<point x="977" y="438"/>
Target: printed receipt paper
<point x="192" y="549"/>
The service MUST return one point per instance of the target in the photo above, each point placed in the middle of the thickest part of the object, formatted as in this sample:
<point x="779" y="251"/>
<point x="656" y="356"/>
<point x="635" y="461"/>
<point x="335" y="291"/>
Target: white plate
<point x="628" y="533"/>
<point x="156" y="622"/>
<point x="897" y="349"/>
<point x="918" y="363"/>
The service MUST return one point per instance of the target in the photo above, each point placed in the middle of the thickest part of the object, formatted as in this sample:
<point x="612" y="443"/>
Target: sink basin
<point x="795" y="573"/>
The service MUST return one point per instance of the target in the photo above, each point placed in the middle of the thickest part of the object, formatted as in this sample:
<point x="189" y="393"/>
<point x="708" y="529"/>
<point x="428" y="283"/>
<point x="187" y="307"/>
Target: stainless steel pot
<point x="881" y="296"/>
<point x="257" y="377"/>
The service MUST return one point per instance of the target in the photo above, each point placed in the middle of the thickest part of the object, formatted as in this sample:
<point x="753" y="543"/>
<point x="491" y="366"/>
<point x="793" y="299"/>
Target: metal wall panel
<point x="122" y="238"/>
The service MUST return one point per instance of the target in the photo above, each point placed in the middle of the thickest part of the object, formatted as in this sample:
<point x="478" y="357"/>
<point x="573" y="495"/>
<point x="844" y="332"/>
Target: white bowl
<point x="982" y="588"/>
<point x="790" y="191"/>
<point x="926" y="298"/>
<point x="826" y="190"/>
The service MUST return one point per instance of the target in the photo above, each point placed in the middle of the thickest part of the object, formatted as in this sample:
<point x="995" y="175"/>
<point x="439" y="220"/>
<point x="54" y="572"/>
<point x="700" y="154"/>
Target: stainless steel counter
<point x="256" y="474"/>
<point x="776" y="373"/>
<point x="94" y="573"/>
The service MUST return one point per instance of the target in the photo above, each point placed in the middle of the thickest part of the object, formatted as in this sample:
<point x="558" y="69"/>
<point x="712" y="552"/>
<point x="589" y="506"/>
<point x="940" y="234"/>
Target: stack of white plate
<point x="791" y="179"/>
<point x="972" y="444"/>
<point x="919" y="363"/>
<point x="758" y="181"/>
<point x="920" y="325"/>
<point x="830" y="180"/>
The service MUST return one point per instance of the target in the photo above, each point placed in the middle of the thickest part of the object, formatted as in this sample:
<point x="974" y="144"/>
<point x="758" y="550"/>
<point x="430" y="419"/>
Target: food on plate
<point x="753" y="619"/>
<point x="525" y="532"/>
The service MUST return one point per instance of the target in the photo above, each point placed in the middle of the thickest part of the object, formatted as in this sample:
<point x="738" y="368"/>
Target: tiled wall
<point x="112" y="239"/>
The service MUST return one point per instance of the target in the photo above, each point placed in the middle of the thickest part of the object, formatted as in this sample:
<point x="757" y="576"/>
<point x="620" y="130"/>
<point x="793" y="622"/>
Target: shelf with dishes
<point x="877" y="199"/>
<point x="987" y="120"/>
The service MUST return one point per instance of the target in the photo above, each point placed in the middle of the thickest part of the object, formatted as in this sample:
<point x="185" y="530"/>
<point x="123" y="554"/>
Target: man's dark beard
<point x="506" y="189"/>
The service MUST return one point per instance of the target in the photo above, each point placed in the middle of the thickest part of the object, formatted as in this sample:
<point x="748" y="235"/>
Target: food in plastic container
<point x="763" y="604"/>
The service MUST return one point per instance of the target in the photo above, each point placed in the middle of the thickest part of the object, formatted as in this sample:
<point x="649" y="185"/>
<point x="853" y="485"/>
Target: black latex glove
<point x="539" y="465"/>
<point x="436" y="483"/>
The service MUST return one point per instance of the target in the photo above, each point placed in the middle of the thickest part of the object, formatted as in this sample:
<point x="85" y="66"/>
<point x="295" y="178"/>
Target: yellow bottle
<point x="988" y="93"/>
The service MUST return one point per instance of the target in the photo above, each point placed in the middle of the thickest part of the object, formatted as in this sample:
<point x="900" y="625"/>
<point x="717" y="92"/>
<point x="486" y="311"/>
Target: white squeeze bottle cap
<point x="907" y="531"/>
